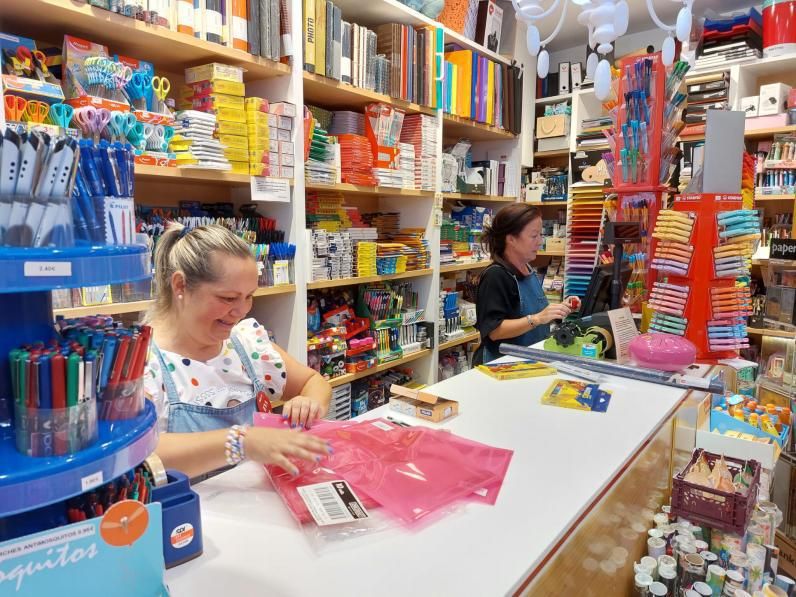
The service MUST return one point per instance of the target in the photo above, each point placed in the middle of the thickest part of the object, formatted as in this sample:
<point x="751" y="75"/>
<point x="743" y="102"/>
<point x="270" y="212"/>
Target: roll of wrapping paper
<point x="637" y="373"/>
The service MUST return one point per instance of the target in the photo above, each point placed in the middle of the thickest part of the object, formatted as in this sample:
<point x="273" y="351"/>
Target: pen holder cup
<point x="182" y="519"/>
<point x="27" y="222"/>
<point x="123" y="400"/>
<point x="56" y="431"/>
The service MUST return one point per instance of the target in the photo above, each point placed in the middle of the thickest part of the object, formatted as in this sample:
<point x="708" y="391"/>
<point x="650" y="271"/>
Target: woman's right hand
<point x="274" y="446"/>
<point x="551" y="313"/>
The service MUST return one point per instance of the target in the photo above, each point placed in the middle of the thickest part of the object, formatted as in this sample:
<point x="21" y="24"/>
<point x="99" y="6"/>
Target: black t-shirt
<point x="498" y="298"/>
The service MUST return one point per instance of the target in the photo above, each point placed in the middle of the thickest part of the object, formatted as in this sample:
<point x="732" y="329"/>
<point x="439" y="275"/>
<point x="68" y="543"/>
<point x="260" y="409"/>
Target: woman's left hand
<point x="301" y="411"/>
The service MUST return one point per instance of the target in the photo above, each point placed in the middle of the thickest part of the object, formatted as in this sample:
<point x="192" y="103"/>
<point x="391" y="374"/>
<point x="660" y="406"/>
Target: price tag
<point x="438" y="200"/>
<point x="91" y="481"/>
<point x="266" y="188"/>
<point x="39" y="269"/>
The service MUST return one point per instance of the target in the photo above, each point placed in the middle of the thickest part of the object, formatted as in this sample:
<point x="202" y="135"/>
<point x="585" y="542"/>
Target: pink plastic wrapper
<point x="411" y="472"/>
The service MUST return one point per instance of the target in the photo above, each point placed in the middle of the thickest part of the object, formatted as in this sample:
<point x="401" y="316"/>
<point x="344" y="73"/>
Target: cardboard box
<point x="284" y="122"/>
<point x="214" y="72"/>
<point x="287" y="159"/>
<point x="739" y="376"/>
<point x="283" y="134"/>
<point x="287" y="171"/>
<point x="773" y="98"/>
<point x="218" y="86"/>
<point x="259" y="169"/>
<point x="256" y="104"/>
<point x="224" y="127"/>
<point x="750" y="105"/>
<point x="283" y="109"/>
<point x="552" y="126"/>
<point x="555" y="244"/>
<point x="236" y="155"/>
<point x="234" y="141"/>
<point x="274" y="145"/>
<point x="239" y="167"/>
<point x="286" y="147"/>
<point x="787" y="555"/>
<point x="273" y="157"/>
<point x="436" y="413"/>
<point x="213" y="101"/>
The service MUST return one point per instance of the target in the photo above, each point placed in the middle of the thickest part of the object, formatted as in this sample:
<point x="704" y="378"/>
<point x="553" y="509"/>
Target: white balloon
<point x="621" y="17"/>
<point x="543" y="64"/>
<point x="667" y="51"/>
<point x="602" y="80"/>
<point x="592" y="43"/>
<point x="683" y="26"/>
<point x="591" y="65"/>
<point x="534" y="43"/>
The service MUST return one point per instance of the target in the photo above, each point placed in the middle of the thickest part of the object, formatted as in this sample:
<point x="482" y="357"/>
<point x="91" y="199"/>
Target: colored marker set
<point x="739" y="232"/>
<point x="734" y="301"/>
<point x="673" y="253"/>
<point x="669" y="302"/>
<point x="136" y="484"/>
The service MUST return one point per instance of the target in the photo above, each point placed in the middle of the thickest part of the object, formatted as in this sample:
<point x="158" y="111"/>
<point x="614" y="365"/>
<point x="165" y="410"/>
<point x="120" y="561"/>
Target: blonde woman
<point x="209" y="368"/>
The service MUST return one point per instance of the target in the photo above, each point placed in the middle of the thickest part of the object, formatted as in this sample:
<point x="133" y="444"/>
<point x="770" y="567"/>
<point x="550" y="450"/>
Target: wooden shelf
<point x="775" y="197"/>
<point x="546" y="203"/>
<point x="331" y="94"/>
<point x="767" y="133"/>
<point x="344" y="187"/>
<point x="169" y="51"/>
<point x="456" y="126"/>
<point x="349" y="377"/>
<point x="551" y="253"/>
<point x="477" y="197"/>
<point x="138" y="306"/>
<point x="191" y="175"/>
<point x="468" y="337"/>
<point x="553" y="153"/>
<point x="463" y="267"/>
<point x="367" y="279"/>
<point x="770" y="333"/>
<point x="553" y="99"/>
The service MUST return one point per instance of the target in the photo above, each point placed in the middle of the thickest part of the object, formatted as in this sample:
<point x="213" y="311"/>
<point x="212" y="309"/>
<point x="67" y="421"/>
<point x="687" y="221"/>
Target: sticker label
<point x="182" y="535"/>
<point x="91" y="481"/>
<point x="333" y="502"/>
<point x="382" y="425"/>
<point x="38" y="269"/>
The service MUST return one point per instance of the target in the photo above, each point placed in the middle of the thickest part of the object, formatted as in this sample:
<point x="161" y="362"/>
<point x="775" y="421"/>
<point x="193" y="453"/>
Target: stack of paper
<point x="193" y="135"/>
<point x="585" y="214"/>
<point x="347" y="123"/>
<point x="406" y="164"/>
<point x="322" y="164"/>
<point x="356" y="157"/>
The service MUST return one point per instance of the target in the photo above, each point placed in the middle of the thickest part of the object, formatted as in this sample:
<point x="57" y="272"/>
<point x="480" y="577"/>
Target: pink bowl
<point x="666" y="352"/>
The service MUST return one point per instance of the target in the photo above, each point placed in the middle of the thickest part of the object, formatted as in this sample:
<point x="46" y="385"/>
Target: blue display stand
<point x="26" y="278"/>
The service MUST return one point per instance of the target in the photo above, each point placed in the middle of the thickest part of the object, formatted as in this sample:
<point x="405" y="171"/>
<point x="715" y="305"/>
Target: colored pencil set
<point x="57" y="385"/>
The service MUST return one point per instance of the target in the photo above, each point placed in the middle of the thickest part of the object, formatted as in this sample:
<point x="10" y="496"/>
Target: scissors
<point x="121" y="124"/>
<point x="137" y="88"/>
<point x="136" y="136"/>
<point x="92" y="120"/>
<point x="122" y="74"/>
<point x="160" y="88"/>
<point x="36" y="112"/>
<point x="15" y="107"/>
<point x="61" y="115"/>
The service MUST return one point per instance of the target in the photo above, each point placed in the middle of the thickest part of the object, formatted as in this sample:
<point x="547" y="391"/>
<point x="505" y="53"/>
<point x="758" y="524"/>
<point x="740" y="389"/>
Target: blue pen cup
<point x="30" y="222"/>
<point x="55" y="432"/>
<point x="182" y="520"/>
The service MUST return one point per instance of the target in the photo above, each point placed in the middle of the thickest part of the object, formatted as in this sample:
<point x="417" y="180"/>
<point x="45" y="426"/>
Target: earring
<point x="179" y="296"/>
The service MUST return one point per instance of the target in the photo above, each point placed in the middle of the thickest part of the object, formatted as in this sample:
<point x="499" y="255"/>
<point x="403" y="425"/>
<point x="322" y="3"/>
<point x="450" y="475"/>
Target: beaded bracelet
<point x="233" y="447"/>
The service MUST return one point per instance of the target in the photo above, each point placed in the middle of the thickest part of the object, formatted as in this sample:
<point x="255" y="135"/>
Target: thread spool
<point x="656" y="547"/>
<point x="668" y="576"/>
<point x="658" y="589"/>
<point x="702" y="589"/>
<point x="642" y="582"/>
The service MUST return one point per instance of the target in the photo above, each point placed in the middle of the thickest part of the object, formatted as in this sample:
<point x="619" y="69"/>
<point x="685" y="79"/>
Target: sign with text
<point x="783" y="249"/>
<point x="266" y="188"/>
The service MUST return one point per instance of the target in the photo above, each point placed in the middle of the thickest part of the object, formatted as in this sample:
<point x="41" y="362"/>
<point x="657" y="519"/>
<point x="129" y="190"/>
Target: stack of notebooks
<point x="366" y="256"/>
<point x="591" y="133"/>
<point x="705" y="92"/>
<point x="420" y="131"/>
<point x="411" y="54"/>
<point x="356" y="158"/>
<point x="323" y="163"/>
<point x="584" y="223"/>
<point x="731" y="39"/>
<point x="194" y="143"/>
<point x="347" y="122"/>
<point x="326" y="211"/>
<point x="482" y="90"/>
<point x="416" y="248"/>
<point x="406" y="164"/>
<point x="387" y="223"/>
<point x="267" y="25"/>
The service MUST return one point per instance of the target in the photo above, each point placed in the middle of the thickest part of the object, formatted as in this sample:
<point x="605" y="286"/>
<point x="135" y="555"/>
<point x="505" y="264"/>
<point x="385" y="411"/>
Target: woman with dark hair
<point x="511" y="305"/>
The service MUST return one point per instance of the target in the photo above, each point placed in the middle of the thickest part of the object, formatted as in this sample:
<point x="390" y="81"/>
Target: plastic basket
<point x="711" y="507"/>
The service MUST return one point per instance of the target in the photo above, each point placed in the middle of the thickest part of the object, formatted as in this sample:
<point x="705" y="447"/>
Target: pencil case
<point x="44" y="432"/>
<point x="122" y="400"/>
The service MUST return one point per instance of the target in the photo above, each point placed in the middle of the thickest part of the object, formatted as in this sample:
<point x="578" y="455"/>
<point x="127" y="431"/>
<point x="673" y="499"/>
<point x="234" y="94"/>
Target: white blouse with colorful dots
<point x="222" y="381"/>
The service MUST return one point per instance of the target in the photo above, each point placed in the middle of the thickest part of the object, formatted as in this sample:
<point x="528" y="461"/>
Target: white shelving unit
<point x="171" y="52"/>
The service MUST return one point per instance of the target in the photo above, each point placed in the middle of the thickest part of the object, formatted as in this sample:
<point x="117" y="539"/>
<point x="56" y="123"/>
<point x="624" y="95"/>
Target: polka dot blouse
<point x="220" y="382"/>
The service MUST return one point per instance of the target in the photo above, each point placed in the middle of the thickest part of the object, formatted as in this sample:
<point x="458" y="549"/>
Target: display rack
<point x="28" y="276"/>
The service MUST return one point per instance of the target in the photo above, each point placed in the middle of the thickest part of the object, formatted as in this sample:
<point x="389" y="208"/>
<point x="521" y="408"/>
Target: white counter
<point x="562" y="460"/>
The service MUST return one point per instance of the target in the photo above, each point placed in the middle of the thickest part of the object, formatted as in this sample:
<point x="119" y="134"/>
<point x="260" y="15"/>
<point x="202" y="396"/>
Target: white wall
<point x="624" y="45"/>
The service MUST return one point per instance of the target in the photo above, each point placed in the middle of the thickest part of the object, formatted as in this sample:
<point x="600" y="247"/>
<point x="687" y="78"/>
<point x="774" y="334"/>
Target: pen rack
<point x="709" y="330"/>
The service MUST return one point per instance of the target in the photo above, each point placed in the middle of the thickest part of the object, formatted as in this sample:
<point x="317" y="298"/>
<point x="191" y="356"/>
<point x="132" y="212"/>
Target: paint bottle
<point x="715" y="578"/>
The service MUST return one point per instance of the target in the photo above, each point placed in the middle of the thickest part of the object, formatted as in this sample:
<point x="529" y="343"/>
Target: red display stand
<point x="701" y="278"/>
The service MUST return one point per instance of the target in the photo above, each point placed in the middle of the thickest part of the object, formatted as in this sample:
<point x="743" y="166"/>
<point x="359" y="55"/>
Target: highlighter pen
<point x="108" y="352"/>
<point x="72" y="379"/>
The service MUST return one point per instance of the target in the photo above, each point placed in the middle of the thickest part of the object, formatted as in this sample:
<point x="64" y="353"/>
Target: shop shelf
<point x="354" y="189"/>
<point x="331" y="94"/>
<point x="468" y="337"/>
<point x="461" y="267"/>
<point x="478" y="197"/>
<point x="28" y="482"/>
<point x="458" y="127"/>
<point x="552" y="153"/>
<point x="163" y="174"/>
<point x="546" y="203"/>
<point x="349" y="377"/>
<point x="30" y="270"/>
<point x="770" y="333"/>
<point x="368" y="279"/>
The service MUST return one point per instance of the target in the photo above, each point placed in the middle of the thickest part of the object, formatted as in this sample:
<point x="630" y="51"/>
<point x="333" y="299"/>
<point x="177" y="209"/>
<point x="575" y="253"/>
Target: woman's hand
<point x="551" y="313"/>
<point x="302" y="411"/>
<point x="274" y="446"/>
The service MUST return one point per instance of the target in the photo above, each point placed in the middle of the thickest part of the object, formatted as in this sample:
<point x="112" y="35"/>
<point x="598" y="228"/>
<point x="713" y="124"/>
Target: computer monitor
<point x="598" y="294"/>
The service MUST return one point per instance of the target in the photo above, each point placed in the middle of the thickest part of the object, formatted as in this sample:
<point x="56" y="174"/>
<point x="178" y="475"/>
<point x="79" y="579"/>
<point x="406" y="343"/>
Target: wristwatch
<point x="530" y="321"/>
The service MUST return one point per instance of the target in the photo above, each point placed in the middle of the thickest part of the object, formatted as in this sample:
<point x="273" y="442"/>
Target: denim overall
<point x="532" y="301"/>
<point x="187" y="418"/>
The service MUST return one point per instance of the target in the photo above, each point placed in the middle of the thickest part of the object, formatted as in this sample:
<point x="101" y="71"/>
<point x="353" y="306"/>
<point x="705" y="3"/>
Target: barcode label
<point x="332" y="503"/>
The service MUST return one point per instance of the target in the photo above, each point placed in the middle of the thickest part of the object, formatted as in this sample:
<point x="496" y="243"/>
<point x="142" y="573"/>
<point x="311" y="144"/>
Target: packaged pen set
<point x="646" y="122"/>
<point x="702" y="257"/>
<point x="92" y="369"/>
